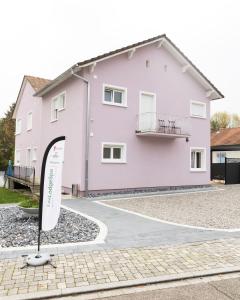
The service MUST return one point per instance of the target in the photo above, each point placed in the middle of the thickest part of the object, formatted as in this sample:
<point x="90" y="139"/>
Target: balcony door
<point x="147" y="112"/>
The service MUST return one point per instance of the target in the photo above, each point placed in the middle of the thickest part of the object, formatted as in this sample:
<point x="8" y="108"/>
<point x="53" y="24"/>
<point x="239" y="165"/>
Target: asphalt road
<point x="226" y="289"/>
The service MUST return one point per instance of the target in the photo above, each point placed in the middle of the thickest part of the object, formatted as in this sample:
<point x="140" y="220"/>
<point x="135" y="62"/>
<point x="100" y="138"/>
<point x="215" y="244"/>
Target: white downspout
<point x="87" y="131"/>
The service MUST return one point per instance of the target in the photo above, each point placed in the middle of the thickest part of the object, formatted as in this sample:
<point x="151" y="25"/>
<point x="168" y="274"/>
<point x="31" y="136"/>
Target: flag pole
<point x="41" y="259"/>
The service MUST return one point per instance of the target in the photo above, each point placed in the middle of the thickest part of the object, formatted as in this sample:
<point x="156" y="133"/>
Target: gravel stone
<point x="214" y="209"/>
<point x="17" y="229"/>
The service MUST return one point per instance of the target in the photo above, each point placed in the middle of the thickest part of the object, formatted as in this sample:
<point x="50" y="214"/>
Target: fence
<point x="24" y="173"/>
<point x="228" y="171"/>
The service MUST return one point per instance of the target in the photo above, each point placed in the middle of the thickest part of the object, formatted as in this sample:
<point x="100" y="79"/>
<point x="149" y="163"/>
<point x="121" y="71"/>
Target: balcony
<point x="164" y="126"/>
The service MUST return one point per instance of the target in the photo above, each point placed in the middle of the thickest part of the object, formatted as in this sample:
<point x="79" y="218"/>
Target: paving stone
<point x="116" y="266"/>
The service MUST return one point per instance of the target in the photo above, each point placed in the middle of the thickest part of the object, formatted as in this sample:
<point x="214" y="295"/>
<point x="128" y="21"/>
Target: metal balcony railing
<point x="163" y="125"/>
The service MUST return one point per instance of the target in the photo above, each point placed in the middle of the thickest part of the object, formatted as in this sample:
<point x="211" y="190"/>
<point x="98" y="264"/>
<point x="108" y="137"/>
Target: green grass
<point x="7" y="196"/>
<point x="29" y="203"/>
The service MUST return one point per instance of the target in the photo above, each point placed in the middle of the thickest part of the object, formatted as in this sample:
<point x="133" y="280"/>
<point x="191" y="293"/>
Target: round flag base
<point x="38" y="259"/>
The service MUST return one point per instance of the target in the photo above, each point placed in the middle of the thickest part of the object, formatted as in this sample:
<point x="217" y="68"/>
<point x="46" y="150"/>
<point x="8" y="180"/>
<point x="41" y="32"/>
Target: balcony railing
<point x="153" y="124"/>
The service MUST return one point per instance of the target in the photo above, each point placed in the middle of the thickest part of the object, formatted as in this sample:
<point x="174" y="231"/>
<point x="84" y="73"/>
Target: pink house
<point x="136" y="118"/>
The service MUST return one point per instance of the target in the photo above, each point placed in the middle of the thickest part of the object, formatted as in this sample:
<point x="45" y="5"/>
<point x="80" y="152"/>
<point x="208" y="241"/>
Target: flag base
<point x="38" y="259"/>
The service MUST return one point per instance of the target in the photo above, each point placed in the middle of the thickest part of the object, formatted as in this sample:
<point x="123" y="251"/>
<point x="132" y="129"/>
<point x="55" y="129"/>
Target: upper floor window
<point x="198" y="159"/>
<point x="58" y="104"/>
<point x="18" y="126"/>
<point x="29" y="121"/>
<point x="113" y="153"/>
<point x="198" y="109"/>
<point x="114" y="95"/>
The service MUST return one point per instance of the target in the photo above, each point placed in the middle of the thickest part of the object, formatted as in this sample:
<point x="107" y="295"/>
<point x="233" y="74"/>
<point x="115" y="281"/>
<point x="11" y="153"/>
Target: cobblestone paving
<point x="114" y="266"/>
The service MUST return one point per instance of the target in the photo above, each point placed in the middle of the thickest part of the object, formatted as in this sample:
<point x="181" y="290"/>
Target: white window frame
<point x="17" y="151"/>
<point x="28" y="162"/>
<point x="29" y="125"/>
<point x="111" y="145"/>
<point x="203" y="168"/>
<point x="34" y="154"/>
<point x="198" y="103"/>
<point x="117" y="88"/>
<point x="18" y="128"/>
<point x="58" y="110"/>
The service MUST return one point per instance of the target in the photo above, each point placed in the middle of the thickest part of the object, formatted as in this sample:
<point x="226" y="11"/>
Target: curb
<point x="122" y="284"/>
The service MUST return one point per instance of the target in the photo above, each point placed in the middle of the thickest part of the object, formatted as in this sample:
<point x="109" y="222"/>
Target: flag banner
<point x="51" y="184"/>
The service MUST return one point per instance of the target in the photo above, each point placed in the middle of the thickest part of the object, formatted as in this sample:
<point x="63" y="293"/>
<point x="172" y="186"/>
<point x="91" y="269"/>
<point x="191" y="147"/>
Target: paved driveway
<point x="130" y="230"/>
<point x="213" y="209"/>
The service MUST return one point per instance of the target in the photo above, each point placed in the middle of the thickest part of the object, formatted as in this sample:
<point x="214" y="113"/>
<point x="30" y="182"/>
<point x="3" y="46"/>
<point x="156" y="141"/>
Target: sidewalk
<point x="99" y="270"/>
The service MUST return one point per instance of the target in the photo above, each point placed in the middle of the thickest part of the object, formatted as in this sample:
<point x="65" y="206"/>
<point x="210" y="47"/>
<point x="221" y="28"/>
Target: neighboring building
<point x="225" y="143"/>
<point x="28" y="115"/>
<point x="134" y="118"/>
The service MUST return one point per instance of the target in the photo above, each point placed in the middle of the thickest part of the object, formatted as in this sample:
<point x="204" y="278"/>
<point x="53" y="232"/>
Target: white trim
<point x="123" y="159"/>
<point x="34" y="159"/>
<point x="204" y="169"/>
<point x="29" y="128"/>
<point x="15" y="156"/>
<point x="101" y="202"/>
<point x="118" y="88"/>
<point x="28" y="163"/>
<point x="155" y="105"/>
<point x="131" y="53"/>
<point x="198" y="103"/>
<point x="103" y="230"/>
<point x="17" y="129"/>
<point x="58" y="110"/>
<point x="92" y="67"/>
<point x="167" y="44"/>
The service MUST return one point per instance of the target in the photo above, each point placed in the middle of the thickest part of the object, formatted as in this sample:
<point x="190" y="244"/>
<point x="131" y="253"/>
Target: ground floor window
<point x="198" y="159"/>
<point x="113" y="152"/>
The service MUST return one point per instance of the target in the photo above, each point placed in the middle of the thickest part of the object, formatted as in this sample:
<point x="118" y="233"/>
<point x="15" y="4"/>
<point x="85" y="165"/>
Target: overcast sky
<point x="44" y="38"/>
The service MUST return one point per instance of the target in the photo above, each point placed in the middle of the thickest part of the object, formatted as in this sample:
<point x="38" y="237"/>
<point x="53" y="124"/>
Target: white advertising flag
<point x="52" y="184"/>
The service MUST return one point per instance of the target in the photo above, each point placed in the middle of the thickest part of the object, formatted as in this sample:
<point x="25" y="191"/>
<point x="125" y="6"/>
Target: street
<point x="223" y="287"/>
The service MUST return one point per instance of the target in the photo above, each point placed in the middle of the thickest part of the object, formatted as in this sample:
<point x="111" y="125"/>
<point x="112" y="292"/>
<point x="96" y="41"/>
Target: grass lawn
<point x="7" y="196"/>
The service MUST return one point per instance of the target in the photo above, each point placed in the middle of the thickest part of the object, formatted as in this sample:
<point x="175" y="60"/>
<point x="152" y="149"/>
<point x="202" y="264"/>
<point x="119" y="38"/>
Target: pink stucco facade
<point x="150" y="161"/>
<point x="29" y="139"/>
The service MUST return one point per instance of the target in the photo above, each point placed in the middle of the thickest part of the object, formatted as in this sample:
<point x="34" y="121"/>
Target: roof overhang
<point x="161" y="41"/>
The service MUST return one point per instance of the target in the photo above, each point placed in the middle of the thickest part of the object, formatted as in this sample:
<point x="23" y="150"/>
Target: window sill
<point x="198" y="117"/>
<point x="29" y="129"/>
<point x="17" y="133"/>
<point x="61" y="109"/>
<point x="113" y="162"/>
<point x="198" y="170"/>
<point x="114" y="104"/>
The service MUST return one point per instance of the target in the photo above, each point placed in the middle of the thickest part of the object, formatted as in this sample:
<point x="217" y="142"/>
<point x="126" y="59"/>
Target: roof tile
<point x="226" y="136"/>
<point x="36" y="82"/>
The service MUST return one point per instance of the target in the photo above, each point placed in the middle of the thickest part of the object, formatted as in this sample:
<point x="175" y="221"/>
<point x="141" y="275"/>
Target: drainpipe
<point x="87" y="132"/>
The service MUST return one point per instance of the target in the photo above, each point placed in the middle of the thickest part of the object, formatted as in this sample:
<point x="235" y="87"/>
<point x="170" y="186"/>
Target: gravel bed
<point x="17" y="229"/>
<point x="216" y="209"/>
